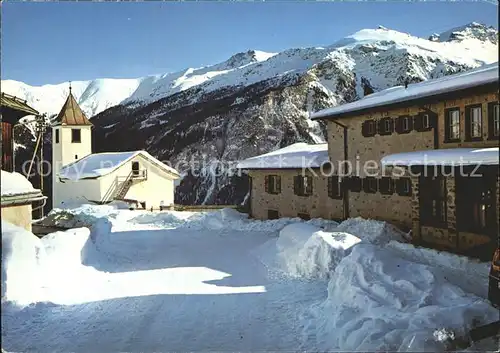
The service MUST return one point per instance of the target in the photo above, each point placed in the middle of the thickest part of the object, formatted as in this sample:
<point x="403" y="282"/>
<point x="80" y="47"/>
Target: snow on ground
<point x="193" y="281"/>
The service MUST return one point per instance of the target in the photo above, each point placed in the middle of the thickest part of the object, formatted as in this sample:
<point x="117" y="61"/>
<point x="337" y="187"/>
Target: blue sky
<point x="44" y="43"/>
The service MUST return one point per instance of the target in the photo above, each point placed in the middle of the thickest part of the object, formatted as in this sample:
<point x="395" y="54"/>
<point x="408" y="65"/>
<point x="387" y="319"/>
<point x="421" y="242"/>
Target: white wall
<point x="88" y="188"/>
<point x="64" y="153"/>
<point x="156" y="188"/>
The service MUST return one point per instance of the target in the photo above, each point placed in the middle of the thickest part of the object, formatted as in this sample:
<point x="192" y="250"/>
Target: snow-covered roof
<point x="482" y="76"/>
<point x="444" y="157"/>
<point x="298" y="155"/>
<point x="99" y="164"/>
<point x="14" y="184"/>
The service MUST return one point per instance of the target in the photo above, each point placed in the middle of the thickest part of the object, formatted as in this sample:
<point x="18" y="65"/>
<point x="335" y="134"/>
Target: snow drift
<point x="378" y="301"/>
<point x="22" y="253"/>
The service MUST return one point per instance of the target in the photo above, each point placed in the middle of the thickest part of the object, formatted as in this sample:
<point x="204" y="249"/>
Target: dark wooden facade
<point x="7" y="147"/>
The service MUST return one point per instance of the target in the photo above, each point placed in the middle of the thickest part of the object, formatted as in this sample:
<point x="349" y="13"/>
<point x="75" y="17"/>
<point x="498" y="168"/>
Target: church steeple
<point x="71" y="113"/>
<point x="71" y="140"/>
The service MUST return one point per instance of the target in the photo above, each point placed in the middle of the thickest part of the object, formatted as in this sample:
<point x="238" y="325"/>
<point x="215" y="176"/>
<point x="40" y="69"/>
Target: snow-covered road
<point x="179" y="291"/>
<point x="185" y="281"/>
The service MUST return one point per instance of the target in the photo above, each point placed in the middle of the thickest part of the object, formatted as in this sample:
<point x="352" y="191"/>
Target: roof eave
<point x="432" y="98"/>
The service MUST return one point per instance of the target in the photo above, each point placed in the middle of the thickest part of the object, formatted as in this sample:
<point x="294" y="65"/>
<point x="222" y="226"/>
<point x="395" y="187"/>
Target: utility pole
<point x="40" y="127"/>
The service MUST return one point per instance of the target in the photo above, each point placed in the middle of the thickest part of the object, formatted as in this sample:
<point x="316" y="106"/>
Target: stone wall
<point x="461" y="103"/>
<point x="449" y="238"/>
<point x="318" y="205"/>
<point x="391" y="208"/>
<point x="399" y="209"/>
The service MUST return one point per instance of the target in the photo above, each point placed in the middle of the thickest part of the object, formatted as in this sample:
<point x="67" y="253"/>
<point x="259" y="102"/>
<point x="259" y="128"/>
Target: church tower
<point x="71" y="138"/>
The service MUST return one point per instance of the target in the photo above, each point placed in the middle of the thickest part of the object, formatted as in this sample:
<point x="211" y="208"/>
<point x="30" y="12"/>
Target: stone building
<point x="291" y="182"/>
<point x="421" y="143"/>
<point x="405" y="155"/>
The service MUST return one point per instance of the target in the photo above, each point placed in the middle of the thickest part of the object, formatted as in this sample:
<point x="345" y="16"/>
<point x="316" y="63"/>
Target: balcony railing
<point x="139" y="174"/>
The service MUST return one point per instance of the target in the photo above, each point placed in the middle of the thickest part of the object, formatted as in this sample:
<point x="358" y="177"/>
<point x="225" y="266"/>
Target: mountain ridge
<point x="99" y="94"/>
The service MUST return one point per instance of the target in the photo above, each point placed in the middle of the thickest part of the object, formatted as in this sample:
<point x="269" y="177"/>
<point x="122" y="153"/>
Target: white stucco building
<point x="133" y="176"/>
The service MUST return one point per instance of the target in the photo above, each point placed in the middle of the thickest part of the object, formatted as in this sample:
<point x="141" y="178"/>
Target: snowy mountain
<point x="93" y="96"/>
<point x="256" y="102"/>
<point x="473" y="30"/>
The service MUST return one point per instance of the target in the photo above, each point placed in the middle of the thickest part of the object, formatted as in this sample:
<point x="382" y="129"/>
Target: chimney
<point x="406" y="83"/>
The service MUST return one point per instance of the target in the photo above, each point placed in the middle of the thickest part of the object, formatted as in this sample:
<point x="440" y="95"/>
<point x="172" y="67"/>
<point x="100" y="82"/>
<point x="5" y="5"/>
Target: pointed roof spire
<point x="71" y="113"/>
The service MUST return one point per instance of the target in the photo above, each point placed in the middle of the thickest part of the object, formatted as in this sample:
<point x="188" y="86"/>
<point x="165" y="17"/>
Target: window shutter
<point x="278" y="184"/>
<point x="386" y="185"/>
<point x="296" y="185"/>
<point x="400" y="186"/>
<point x="491" y="107"/>
<point x="309" y="189"/>
<point x="266" y="183"/>
<point x="366" y="187"/>
<point x="398" y="124"/>
<point x="417" y="122"/>
<point x="468" y="132"/>
<point x="433" y="120"/>
<point x="379" y="127"/>
<point x="355" y="184"/>
<point x="364" y="129"/>
<point x="330" y="186"/>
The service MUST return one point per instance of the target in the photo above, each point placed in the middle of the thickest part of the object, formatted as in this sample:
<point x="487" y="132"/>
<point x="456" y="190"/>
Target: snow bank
<point x="76" y="213"/>
<point x="379" y="301"/>
<point x="304" y="250"/>
<point x="469" y="274"/>
<point x="307" y="251"/>
<point x="371" y="231"/>
<point x="22" y="252"/>
<point x="226" y="219"/>
<point x="15" y="184"/>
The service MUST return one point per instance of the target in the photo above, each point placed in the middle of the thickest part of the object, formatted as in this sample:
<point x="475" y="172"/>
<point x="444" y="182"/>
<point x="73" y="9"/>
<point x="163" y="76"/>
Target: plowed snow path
<point x="167" y="290"/>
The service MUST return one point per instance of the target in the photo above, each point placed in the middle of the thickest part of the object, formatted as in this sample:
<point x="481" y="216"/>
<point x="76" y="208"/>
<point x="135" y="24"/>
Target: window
<point x="334" y="187"/>
<point x="273" y="214"/>
<point x="303" y="185"/>
<point x="432" y="192"/>
<point x="135" y="168"/>
<point x="385" y="126"/>
<point x="370" y="185"/>
<point x="273" y="184"/>
<point x="475" y="201"/>
<point x="76" y="136"/>
<point x="406" y="123"/>
<point x="493" y="120"/>
<point x="386" y="185"/>
<point x="473" y="122"/>
<point x="368" y="128"/>
<point x="304" y="216"/>
<point x="424" y="121"/>
<point x="403" y="124"/>
<point x="57" y="135"/>
<point x="403" y="186"/>
<point x="452" y="125"/>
